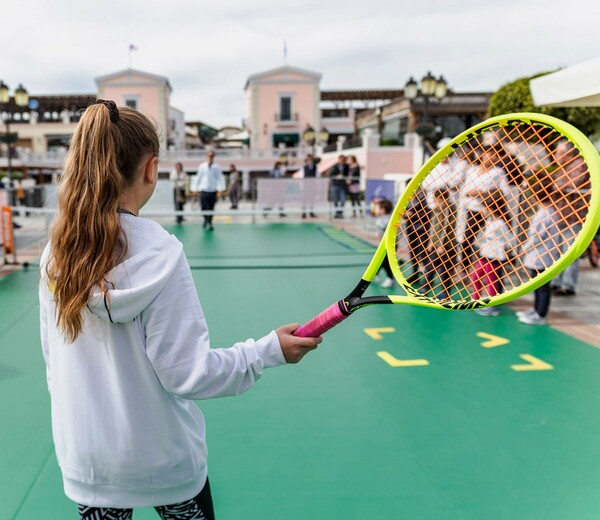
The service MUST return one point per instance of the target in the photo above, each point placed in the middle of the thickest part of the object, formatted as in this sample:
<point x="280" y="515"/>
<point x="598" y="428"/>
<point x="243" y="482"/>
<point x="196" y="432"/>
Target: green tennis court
<point x="402" y="412"/>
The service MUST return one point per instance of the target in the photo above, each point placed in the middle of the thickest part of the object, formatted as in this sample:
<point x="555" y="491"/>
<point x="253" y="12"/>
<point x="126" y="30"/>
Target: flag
<point x="132" y="47"/>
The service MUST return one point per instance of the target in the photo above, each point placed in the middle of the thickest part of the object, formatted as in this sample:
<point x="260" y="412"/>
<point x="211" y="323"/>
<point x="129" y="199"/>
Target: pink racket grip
<point x="322" y="322"/>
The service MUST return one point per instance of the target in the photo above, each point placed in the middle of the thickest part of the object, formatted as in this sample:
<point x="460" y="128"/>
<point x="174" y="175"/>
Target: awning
<point x="575" y="86"/>
<point x="289" y="140"/>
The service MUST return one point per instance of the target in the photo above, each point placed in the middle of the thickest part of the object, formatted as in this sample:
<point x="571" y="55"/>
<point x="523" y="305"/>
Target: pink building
<point x="148" y="93"/>
<point x="280" y="104"/>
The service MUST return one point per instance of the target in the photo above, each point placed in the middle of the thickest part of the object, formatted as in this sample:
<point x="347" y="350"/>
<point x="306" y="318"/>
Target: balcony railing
<point x="286" y="117"/>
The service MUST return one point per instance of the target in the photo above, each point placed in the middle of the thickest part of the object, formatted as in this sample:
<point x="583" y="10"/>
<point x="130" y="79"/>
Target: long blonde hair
<point x="106" y="153"/>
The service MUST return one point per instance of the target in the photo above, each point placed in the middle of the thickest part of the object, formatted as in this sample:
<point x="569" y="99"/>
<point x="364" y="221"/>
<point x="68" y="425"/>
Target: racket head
<point x="561" y="172"/>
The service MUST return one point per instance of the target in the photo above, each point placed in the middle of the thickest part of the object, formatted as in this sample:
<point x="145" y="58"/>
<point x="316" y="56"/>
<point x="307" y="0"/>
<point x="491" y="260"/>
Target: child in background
<point x="543" y="247"/>
<point x="124" y="337"/>
<point x="495" y="240"/>
<point x="383" y="210"/>
<point x="440" y="255"/>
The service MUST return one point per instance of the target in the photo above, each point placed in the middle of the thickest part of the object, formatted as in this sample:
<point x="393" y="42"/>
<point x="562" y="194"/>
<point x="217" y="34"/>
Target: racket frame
<point x="576" y="249"/>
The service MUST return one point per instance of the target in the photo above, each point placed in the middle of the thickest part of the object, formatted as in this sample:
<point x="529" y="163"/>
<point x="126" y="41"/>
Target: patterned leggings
<point x="198" y="508"/>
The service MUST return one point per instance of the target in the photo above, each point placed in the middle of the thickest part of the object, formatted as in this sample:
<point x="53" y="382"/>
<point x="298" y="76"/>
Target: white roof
<point x="575" y="86"/>
<point x="286" y="69"/>
<point x="133" y="72"/>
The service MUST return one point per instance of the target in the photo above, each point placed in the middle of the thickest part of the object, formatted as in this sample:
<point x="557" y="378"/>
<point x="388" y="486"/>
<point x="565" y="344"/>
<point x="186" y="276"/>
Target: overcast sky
<point x="208" y="49"/>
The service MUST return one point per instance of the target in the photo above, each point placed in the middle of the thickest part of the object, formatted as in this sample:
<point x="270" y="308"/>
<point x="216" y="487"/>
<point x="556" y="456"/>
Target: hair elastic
<point x="112" y="108"/>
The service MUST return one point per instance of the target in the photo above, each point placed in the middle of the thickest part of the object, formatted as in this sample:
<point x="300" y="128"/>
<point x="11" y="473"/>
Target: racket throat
<point x="355" y="300"/>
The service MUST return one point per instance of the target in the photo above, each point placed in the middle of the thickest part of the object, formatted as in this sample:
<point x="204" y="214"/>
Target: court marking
<point x="376" y="332"/>
<point x="401" y="363"/>
<point x="533" y="364"/>
<point x="346" y="240"/>
<point x="492" y="341"/>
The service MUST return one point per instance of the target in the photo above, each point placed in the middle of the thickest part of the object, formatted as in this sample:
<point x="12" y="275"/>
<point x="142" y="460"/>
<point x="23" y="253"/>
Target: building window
<point x="285" y="108"/>
<point x="131" y="102"/>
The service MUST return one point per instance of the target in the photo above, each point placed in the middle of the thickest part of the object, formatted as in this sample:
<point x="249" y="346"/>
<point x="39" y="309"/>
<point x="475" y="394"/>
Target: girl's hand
<point x="294" y="347"/>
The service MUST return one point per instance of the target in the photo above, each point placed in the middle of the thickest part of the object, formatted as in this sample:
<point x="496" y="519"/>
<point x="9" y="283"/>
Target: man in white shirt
<point x="208" y="181"/>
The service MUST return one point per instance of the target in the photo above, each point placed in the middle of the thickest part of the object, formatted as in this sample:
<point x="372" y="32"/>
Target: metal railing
<point x="286" y="117"/>
<point x="234" y="154"/>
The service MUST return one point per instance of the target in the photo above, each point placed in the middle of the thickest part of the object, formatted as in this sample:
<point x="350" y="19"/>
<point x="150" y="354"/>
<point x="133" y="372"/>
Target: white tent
<point x="575" y="86"/>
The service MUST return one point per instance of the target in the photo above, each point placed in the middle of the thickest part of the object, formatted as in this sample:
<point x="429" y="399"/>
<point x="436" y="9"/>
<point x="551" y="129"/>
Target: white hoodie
<point x="125" y="429"/>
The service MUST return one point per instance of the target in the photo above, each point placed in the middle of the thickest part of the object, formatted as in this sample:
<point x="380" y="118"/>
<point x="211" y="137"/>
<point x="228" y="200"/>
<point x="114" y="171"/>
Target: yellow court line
<point x="533" y="364"/>
<point x="375" y="333"/>
<point x="493" y="341"/>
<point x="401" y="363"/>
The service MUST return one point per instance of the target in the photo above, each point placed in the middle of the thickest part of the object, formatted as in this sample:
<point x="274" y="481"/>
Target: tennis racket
<point x="492" y="215"/>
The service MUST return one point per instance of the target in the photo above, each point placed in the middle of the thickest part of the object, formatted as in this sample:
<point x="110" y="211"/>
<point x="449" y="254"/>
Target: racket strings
<point x="468" y="231"/>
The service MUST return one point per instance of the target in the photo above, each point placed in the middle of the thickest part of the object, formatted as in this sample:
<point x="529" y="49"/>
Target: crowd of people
<point x="210" y="184"/>
<point x="466" y="221"/>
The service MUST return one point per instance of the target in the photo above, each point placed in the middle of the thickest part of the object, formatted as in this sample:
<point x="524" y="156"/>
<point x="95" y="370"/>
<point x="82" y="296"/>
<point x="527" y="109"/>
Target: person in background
<point x="417" y="223"/>
<point x="178" y="182"/>
<point x="571" y="177"/>
<point x="234" y="187"/>
<point x="309" y="171"/>
<point x="494" y="241"/>
<point x="124" y="337"/>
<point x="208" y="182"/>
<point x="354" y="185"/>
<point x="278" y="172"/>
<point x="439" y="258"/>
<point x="339" y="177"/>
<point x="383" y="210"/>
<point x="481" y="178"/>
<point x="543" y="247"/>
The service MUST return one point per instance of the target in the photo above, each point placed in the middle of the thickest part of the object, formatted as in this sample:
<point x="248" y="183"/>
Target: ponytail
<point x="106" y="152"/>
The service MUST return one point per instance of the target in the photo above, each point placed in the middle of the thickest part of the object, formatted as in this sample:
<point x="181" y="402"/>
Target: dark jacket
<point x="338" y="174"/>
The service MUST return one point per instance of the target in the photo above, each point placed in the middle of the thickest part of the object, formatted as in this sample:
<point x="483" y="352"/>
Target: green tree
<point x="516" y="97"/>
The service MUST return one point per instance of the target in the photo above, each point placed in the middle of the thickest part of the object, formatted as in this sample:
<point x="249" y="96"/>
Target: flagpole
<point x="132" y="48"/>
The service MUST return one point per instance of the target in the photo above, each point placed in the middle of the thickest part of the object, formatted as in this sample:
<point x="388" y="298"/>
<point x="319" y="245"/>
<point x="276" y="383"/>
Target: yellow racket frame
<point x="388" y="244"/>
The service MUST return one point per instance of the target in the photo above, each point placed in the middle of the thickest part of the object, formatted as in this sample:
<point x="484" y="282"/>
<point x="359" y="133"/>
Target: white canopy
<point x="575" y="86"/>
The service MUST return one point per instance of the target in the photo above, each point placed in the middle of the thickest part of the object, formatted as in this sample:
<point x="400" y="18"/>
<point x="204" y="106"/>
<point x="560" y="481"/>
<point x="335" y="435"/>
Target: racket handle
<point x="324" y="321"/>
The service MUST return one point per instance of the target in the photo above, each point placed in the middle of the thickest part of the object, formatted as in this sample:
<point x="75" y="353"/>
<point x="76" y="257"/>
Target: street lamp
<point x="21" y="99"/>
<point x="311" y="138"/>
<point x="430" y="88"/>
<point x="309" y="135"/>
<point x="324" y="135"/>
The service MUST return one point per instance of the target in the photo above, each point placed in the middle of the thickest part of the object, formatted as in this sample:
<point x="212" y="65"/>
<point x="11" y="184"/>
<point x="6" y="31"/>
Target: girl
<point x="479" y="180"/>
<point x="543" y="247"/>
<point x="124" y="337"/>
<point x="495" y="240"/>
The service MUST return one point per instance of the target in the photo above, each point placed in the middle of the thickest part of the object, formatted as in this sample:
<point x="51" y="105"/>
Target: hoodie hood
<point x="134" y="283"/>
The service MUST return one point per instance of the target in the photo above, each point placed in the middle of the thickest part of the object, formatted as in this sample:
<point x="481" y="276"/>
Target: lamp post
<point x="309" y="136"/>
<point x="430" y="88"/>
<point x="21" y="99"/>
<point x="324" y="136"/>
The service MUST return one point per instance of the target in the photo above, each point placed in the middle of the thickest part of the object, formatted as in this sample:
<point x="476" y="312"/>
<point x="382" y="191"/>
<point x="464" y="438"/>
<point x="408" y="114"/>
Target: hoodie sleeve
<point x="44" y="299"/>
<point x="178" y="346"/>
